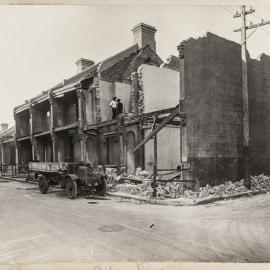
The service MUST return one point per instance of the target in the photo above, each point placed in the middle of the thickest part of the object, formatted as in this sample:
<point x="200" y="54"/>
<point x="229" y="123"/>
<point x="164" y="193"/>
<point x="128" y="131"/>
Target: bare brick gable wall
<point x="214" y="108"/>
<point x="121" y="71"/>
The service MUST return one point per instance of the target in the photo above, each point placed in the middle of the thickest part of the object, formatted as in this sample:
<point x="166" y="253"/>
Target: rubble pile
<point x="260" y="182"/>
<point x="257" y="183"/>
<point x="111" y="174"/>
<point x="142" y="174"/>
<point x="221" y="190"/>
<point x="98" y="170"/>
<point x="142" y="190"/>
<point x="173" y="190"/>
<point x="139" y="174"/>
<point x="176" y="190"/>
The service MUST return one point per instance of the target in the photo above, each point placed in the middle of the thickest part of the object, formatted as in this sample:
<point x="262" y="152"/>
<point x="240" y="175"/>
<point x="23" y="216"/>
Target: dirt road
<point x="47" y="228"/>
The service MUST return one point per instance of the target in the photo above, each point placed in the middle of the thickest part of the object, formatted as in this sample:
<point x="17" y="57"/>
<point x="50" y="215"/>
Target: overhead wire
<point x="235" y="10"/>
<point x="232" y="9"/>
<point x="228" y="10"/>
<point x="261" y="20"/>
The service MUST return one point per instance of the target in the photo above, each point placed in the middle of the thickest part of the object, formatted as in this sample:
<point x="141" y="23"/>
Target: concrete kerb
<point x="232" y="196"/>
<point x="169" y="202"/>
<point x="188" y="202"/>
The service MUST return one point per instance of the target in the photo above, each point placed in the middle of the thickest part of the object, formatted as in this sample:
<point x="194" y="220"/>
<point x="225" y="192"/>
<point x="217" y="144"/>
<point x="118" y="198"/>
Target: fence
<point x="14" y="170"/>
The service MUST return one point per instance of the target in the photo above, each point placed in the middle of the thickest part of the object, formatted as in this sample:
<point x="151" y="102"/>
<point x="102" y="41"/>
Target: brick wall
<point x="213" y="103"/>
<point x="214" y="107"/>
<point x="259" y="105"/>
<point x="121" y="71"/>
<point x="118" y="72"/>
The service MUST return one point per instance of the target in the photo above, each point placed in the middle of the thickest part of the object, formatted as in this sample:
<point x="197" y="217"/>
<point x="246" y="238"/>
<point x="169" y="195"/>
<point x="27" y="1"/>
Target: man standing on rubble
<point x="113" y="105"/>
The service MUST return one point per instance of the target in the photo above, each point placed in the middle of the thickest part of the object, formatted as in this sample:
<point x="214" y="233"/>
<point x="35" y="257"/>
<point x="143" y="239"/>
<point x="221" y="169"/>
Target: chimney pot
<point x="144" y="34"/>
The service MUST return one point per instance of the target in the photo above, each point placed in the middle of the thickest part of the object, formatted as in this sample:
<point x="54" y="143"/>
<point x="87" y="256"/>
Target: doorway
<point x="111" y="150"/>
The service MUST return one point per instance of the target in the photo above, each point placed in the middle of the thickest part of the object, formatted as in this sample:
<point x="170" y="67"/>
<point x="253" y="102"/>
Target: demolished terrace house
<point x="73" y="120"/>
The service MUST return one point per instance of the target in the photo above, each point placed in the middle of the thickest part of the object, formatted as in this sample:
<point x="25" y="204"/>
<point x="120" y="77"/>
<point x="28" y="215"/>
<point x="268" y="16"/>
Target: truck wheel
<point x="71" y="188"/>
<point x="43" y="184"/>
<point x="101" y="189"/>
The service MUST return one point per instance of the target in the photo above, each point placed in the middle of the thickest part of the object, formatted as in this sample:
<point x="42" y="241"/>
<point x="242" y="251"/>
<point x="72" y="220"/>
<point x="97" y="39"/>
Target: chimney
<point x="4" y="127"/>
<point x="83" y="64"/>
<point x="144" y="34"/>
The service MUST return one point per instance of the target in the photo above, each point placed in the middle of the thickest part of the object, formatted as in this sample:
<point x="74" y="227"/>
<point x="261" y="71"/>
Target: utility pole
<point x="243" y="29"/>
<point x="181" y="50"/>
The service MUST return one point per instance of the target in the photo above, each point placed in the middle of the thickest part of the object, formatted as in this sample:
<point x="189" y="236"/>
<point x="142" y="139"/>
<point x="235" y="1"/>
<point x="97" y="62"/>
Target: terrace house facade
<point x="73" y="120"/>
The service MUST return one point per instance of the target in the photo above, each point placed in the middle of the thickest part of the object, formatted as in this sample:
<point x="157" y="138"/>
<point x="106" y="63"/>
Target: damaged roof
<point x="109" y="62"/>
<point x="71" y="82"/>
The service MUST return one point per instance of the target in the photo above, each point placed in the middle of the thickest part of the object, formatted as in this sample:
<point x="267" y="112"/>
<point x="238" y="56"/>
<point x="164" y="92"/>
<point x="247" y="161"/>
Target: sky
<point x="40" y="44"/>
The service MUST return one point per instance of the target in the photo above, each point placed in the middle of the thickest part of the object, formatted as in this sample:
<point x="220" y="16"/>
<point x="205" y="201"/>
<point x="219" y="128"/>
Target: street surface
<point x="51" y="228"/>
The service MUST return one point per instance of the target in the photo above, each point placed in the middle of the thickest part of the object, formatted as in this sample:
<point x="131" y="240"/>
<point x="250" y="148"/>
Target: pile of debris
<point x="258" y="183"/>
<point x="173" y="190"/>
<point x="170" y="190"/>
<point x="111" y="174"/>
<point x="141" y="190"/>
<point x="98" y="169"/>
<point x="126" y="184"/>
<point x="141" y="174"/>
<point x="227" y="188"/>
<point x="176" y="190"/>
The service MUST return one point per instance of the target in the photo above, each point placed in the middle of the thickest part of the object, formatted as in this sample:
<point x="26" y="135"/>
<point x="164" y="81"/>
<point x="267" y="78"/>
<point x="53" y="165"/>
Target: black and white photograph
<point x="134" y="133"/>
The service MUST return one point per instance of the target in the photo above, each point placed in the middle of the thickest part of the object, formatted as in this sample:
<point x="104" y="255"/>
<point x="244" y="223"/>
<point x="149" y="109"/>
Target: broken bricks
<point x="175" y="190"/>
